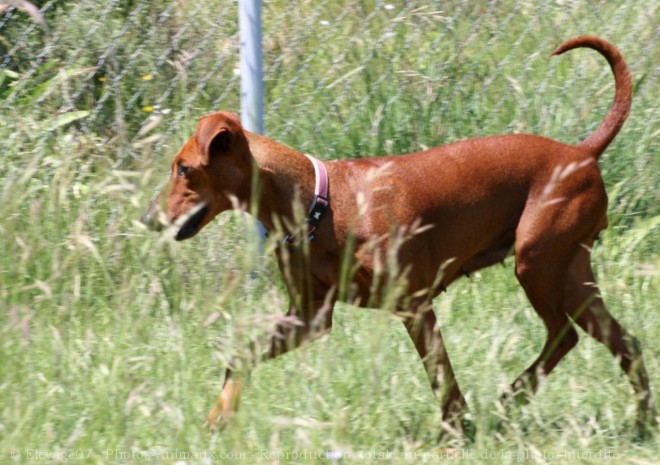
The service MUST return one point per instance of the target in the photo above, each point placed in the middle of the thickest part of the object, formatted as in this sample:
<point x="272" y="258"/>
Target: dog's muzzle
<point x="186" y="226"/>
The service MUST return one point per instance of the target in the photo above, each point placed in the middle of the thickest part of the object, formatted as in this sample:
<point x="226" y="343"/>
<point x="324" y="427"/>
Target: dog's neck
<point x="284" y="174"/>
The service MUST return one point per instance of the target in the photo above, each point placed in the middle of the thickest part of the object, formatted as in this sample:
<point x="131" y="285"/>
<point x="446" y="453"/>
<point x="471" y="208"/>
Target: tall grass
<point x="113" y="342"/>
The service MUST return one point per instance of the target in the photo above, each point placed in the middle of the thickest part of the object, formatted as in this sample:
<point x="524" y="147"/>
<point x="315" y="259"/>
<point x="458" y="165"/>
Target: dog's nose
<point x="150" y="220"/>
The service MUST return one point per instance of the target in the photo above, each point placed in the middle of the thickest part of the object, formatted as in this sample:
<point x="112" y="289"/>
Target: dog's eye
<point x="182" y="170"/>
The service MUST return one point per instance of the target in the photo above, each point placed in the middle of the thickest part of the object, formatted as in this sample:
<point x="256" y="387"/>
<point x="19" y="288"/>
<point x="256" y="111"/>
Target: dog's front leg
<point x="425" y="333"/>
<point x="295" y="329"/>
<point x="227" y="402"/>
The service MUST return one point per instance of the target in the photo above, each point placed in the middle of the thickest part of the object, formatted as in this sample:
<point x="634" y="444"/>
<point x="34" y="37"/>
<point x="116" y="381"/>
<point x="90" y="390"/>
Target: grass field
<point x="113" y="341"/>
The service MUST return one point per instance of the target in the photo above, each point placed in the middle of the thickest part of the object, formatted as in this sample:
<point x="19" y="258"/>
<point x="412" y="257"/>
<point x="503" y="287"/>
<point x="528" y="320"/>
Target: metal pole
<point x="252" y="87"/>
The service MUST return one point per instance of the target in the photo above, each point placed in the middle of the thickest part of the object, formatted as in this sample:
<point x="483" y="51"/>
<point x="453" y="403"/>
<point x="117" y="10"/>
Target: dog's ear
<point x="219" y="133"/>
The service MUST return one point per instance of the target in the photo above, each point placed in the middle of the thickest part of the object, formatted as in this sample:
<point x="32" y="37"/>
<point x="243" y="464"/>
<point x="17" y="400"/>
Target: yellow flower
<point x="102" y="78"/>
<point x="148" y="109"/>
<point x="147" y="77"/>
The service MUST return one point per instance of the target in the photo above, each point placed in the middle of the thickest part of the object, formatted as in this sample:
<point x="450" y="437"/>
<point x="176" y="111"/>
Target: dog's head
<point x="213" y="167"/>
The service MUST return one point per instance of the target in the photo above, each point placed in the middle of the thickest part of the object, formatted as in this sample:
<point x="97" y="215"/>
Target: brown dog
<point x="402" y="228"/>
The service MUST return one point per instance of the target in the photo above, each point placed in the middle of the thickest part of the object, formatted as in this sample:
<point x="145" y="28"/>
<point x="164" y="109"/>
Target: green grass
<point x="113" y="342"/>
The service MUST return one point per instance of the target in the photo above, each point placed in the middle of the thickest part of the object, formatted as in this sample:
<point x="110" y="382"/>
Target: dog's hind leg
<point x="539" y="265"/>
<point x="569" y="209"/>
<point x="425" y="334"/>
<point x="585" y="306"/>
<point x="561" y="338"/>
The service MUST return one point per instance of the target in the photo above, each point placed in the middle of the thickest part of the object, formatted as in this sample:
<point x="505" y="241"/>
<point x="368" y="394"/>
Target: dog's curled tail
<point x="597" y="142"/>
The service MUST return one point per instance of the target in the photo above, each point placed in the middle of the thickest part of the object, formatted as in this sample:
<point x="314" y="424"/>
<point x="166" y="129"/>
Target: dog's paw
<point x="459" y="429"/>
<point x="646" y="424"/>
<point x="215" y="421"/>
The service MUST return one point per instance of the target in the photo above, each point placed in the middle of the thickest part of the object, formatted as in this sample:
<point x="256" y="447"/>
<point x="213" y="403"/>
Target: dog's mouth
<point x="190" y="225"/>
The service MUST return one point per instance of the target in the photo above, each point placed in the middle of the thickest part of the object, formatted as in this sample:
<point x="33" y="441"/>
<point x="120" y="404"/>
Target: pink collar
<point x="321" y="201"/>
<point x="321" y="185"/>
